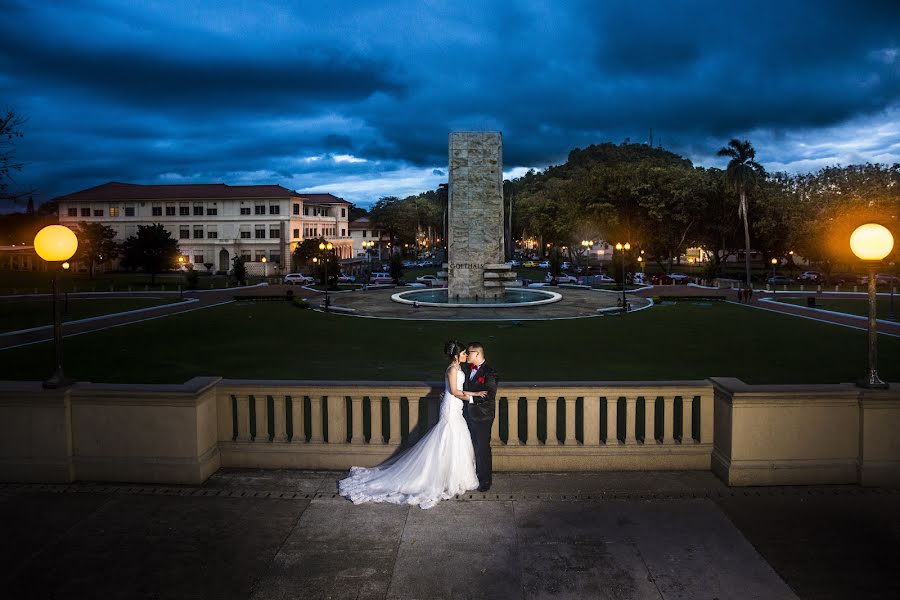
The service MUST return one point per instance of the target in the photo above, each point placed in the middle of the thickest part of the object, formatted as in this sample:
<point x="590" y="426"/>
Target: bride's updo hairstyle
<point x="453" y="348"/>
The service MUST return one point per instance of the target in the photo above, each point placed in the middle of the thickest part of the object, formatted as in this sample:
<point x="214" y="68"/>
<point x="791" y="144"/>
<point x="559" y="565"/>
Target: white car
<point x="346" y="278"/>
<point x="561" y="278"/>
<point x="544" y="264"/>
<point x="678" y="277"/>
<point x="601" y="278"/>
<point x="298" y="279"/>
<point x="427" y="279"/>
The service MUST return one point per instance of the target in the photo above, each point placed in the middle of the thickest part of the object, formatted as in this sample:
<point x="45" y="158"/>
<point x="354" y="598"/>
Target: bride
<point x="439" y="466"/>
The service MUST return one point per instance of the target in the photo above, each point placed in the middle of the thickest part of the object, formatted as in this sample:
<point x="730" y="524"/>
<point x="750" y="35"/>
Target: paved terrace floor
<point x="285" y="534"/>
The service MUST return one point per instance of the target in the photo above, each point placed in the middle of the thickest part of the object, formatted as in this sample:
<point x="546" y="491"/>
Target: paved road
<point x="285" y="534"/>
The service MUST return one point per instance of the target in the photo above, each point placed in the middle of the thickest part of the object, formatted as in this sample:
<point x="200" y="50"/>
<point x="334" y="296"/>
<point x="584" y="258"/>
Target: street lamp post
<point x="774" y="264"/>
<point x="56" y="244"/>
<point x="871" y="243"/>
<point x="265" y="267"/>
<point x="368" y="248"/>
<point x="623" y="248"/>
<point x="323" y="247"/>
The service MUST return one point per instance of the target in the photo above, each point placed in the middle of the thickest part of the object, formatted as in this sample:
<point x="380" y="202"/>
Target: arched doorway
<point x="224" y="262"/>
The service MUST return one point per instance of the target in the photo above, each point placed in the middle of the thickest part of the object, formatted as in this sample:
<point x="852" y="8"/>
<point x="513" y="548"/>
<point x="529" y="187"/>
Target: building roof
<point x="361" y="223"/>
<point x="321" y="199"/>
<point x="114" y="191"/>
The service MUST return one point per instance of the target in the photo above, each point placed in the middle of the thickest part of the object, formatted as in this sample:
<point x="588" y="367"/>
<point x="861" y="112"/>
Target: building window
<point x="85" y="212"/>
<point x="198" y="258"/>
<point x="114" y="211"/>
<point x="198" y="233"/>
<point x="157" y="211"/>
<point x="274" y="209"/>
<point x="246" y="257"/>
<point x="259" y="256"/>
<point x="212" y="211"/>
<point x="260" y="234"/>
<point x="98" y="212"/>
<point x="364" y="232"/>
<point x="245" y="210"/>
<point x="343" y="232"/>
<point x="184" y="211"/>
<point x="296" y="233"/>
<point x="198" y="210"/>
<point x="184" y="234"/>
<point x="274" y="233"/>
<point x="129" y="211"/>
<point x="245" y="235"/>
<point x="296" y="208"/>
<point x="260" y="209"/>
<point x="73" y="212"/>
<point x="343" y="212"/>
<point x="275" y="258"/>
<point x="306" y="211"/>
<point x="170" y="211"/>
<point x="212" y="234"/>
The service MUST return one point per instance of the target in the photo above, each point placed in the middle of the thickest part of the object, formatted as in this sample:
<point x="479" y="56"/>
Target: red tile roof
<point x="113" y="191"/>
<point x="321" y="199"/>
<point x="361" y="223"/>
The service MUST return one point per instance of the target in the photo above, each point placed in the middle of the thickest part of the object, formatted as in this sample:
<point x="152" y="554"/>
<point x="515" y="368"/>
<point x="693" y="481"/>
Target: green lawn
<point x="279" y="341"/>
<point x="26" y="282"/>
<point x="853" y="306"/>
<point x="24" y="314"/>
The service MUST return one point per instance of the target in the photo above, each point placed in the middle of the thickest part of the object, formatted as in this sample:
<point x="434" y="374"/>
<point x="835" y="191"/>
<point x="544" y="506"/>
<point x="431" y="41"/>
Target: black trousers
<point x="481" y="440"/>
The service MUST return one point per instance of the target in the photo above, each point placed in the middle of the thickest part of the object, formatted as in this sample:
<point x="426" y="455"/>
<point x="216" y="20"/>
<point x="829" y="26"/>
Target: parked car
<point x="381" y="278"/>
<point x="601" y="278"/>
<point x="408" y="264"/>
<point x="779" y="280"/>
<point x="545" y="264"/>
<point x="639" y="279"/>
<point x="880" y="279"/>
<point x="845" y="279"/>
<point x="346" y="278"/>
<point x="530" y="264"/>
<point x="561" y="278"/>
<point x="514" y="263"/>
<point x="679" y="277"/>
<point x="298" y="279"/>
<point x="565" y="265"/>
<point x="813" y="276"/>
<point x="427" y="279"/>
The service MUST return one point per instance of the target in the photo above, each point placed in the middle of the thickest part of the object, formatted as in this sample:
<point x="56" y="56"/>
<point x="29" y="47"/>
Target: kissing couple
<point x="455" y="456"/>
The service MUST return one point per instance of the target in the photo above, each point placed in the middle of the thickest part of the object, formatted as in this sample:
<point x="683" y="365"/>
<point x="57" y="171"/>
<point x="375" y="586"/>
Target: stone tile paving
<point x="285" y="534"/>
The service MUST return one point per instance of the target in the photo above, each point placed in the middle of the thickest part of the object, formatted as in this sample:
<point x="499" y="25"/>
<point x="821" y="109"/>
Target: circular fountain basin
<point x="512" y="298"/>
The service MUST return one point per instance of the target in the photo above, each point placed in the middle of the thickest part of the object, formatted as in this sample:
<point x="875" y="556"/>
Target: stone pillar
<point x="669" y="420"/>
<point x="531" y="436"/>
<point x="375" y="410"/>
<point x="298" y="431"/>
<point x="262" y="421"/>
<point x="591" y="421"/>
<point x="630" y="417"/>
<point x="394" y="412"/>
<point x="475" y="213"/>
<point x="612" y="420"/>
<point x="552" y="436"/>
<point x="649" y="420"/>
<point x="315" y="413"/>
<point x="512" y="408"/>
<point x="279" y="416"/>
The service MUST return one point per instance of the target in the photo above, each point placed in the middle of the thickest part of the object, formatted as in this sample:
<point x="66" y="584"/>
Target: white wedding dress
<point x="440" y="466"/>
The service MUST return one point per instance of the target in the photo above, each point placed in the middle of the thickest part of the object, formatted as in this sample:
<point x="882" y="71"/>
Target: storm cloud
<point x="358" y="98"/>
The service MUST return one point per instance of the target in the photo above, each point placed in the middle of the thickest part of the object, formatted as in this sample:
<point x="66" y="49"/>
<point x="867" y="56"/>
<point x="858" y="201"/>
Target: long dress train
<point x="438" y="467"/>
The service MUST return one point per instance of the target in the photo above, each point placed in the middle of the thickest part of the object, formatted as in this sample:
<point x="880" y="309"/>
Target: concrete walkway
<point x="285" y="534"/>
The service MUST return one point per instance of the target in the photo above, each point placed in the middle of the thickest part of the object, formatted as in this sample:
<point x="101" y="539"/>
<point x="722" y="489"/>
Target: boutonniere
<point x="481" y="380"/>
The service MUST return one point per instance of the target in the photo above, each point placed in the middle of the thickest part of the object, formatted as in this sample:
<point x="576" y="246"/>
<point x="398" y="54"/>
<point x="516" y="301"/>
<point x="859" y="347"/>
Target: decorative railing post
<point x="552" y="436"/>
<point x="358" y="437"/>
<point x="512" y="411"/>
<point x="315" y="413"/>
<point x="531" y="438"/>
<point x="412" y="404"/>
<point x="495" y="425"/>
<point x="279" y="419"/>
<point x="262" y="419"/>
<point x="668" y="420"/>
<point x="377" y="428"/>
<point x="243" y="418"/>
<point x="687" y="421"/>
<point x="591" y="420"/>
<point x="630" y="420"/>
<point x="571" y="440"/>
<point x="612" y="420"/>
<point x="394" y="413"/>
<point x="298" y="427"/>
<point x="649" y="420"/>
<point x="337" y="419"/>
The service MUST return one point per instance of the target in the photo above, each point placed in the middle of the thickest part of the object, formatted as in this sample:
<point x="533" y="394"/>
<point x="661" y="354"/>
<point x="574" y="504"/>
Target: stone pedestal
<point x="475" y="267"/>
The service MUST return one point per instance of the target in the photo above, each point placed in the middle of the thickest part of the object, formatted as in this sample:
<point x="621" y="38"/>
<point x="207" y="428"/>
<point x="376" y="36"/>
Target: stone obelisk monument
<point x="475" y="256"/>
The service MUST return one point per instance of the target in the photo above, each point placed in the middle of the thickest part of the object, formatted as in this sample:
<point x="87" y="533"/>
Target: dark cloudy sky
<point x="357" y="98"/>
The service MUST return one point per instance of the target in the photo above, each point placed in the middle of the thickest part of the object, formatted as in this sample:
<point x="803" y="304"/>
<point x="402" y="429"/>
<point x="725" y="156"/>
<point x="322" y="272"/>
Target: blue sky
<point x="357" y="98"/>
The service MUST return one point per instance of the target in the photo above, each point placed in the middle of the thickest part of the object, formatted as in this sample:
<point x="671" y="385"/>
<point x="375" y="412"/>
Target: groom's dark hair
<point x="476" y="346"/>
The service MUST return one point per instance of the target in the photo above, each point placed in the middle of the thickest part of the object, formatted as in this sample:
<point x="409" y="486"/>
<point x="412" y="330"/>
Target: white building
<point x="215" y="222"/>
<point x="362" y="230"/>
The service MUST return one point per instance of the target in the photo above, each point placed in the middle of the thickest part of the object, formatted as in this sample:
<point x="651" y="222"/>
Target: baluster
<point x="649" y="420"/>
<point x="591" y="424"/>
<point x="337" y="419"/>
<point x="552" y="438"/>
<point x="687" y="420"/>
<point x="512" y="410"/>
<point x="433" y="408"/>
<point x="358" y="435"/>
<point x="315" y="413"/>
<point x="262" y="420"/>
<point x="531" y="437"/>
<point x="704" y="413"/>
<point x="495" y="425"/>
<point x="375" y="411"/>
<point x="243" y="419"/>
<point x="630" y="419"/>
<point x="394" y="412"/>
<point x="612" y="420"/>
<point x="298" y="428"/>
<point x="413" y="406"/>
<point x="278" y="410"/>
<point x="669" y="420"/>
<point x="571" y="440"/>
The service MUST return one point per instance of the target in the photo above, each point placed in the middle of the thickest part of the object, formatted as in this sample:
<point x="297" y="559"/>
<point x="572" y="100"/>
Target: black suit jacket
<point x="483" y="409"/>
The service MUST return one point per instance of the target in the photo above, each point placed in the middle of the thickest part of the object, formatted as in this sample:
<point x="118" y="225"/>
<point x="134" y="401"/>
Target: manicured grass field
<point x="274" y="340"/>
<point x="24" y="314"/>
<point x="852" y="306"/>
<point x="26" y="282"/>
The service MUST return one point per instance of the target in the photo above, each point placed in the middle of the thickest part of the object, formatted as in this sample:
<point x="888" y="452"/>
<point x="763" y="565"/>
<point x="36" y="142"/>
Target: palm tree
<point x="742" y="170"/>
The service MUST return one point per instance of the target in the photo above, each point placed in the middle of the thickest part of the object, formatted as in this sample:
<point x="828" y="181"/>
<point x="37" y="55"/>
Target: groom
<point x="479" y="412"/>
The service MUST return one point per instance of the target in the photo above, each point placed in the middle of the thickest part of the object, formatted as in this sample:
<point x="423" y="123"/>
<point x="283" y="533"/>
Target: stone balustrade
<point x="748" y="435"/>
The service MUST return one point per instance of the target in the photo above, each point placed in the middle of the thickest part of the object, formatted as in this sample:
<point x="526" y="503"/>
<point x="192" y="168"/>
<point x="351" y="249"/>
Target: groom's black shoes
<point x="483" y="487"/>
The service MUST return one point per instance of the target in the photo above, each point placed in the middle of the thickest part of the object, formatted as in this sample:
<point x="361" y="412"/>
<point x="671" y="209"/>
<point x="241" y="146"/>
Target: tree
<point x="239" y="270"/>
<point x="396" y="217"/>
<point x="741" y="172"/>
<point x="305" y="251"/>
<point x="152" y="250"/>
<point x="396" y="267"/>
<point x="10" y="131"/>
<point x="96" y="244"/>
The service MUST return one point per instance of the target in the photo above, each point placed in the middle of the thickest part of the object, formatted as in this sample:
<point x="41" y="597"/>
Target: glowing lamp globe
<point x="871" y="241"/>
<point x="55" y="243"/>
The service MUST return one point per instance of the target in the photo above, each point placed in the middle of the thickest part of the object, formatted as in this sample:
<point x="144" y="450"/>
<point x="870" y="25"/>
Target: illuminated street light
<point x="871" y="243"/>
<point x="56" y="243"/>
